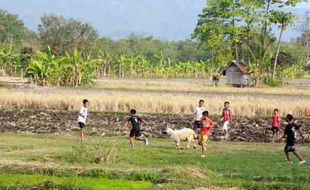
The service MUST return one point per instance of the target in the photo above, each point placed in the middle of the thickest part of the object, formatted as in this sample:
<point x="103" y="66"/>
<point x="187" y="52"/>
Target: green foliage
<point x="240" y="29"/>
<point x="290" y="72"/>
<point x="9" y="60"/>
<point x="303" y="42"/>
<point x="284" y="19"/>
<point x="273" y="82"/>
<point x="218" y="30"/>
<point x="70" y="70"/>
<point x="65" y="35"/>
<point x="12" y="29"/>
<point x="139" y="66"/>
<point x="151" y="48"/>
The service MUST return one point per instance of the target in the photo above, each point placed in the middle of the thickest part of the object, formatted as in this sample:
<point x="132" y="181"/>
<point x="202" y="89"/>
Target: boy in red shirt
<point x="206" y="126"/>
<point x="275" y="125"/>
<point x="226" y="118"/>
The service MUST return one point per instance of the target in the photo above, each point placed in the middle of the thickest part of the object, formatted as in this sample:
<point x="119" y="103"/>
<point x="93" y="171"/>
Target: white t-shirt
<point x="82" y="115"/>
<point x="198" y="113"/>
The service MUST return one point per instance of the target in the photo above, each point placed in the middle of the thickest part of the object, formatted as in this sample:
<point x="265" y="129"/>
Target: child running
<point x="289" y="134"/>
<point x="82" y="118"/>
<point x="198" y="115"/>
<point x="275" y="125"/>
<point x="135" y="131"/>
<point x="226" y="119"/>
<point x="206" y="127"/>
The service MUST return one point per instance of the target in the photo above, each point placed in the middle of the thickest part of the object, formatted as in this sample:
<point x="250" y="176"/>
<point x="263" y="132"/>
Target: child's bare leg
<point x="131" y="142"/>
<point x="297" y="154"/>
<point x="287" y="155"/>
<point x="188" y="143"/>
<point x="197" y="131"/>
<point x="226" y="133"/>
<point x="81" y="135"/>
<point x="194" y="142"/>
<point x="274" y="137"/>
<point x="141" y="138"/>
<point x="203" y="148"/>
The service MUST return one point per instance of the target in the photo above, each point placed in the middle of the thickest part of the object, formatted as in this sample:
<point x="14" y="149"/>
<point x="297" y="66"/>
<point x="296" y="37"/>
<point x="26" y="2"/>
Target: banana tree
<point x="39" y="68"/>
<point x="104" y="61"/>
<point x="8" y="60"/>
<point x="79" y="69"/>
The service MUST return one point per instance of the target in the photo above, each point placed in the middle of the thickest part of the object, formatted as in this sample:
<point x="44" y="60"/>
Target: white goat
<point x="185" y="134"/>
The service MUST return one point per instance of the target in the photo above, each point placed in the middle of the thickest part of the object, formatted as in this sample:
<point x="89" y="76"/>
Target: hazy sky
<point x="166" y="19"/>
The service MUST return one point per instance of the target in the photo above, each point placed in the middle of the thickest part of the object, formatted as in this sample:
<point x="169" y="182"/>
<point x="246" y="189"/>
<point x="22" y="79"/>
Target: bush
<point x="273" y="82"/>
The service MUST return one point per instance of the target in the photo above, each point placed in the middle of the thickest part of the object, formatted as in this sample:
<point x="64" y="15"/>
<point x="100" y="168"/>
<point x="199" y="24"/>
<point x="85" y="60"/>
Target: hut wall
<point x="234" y="75"/>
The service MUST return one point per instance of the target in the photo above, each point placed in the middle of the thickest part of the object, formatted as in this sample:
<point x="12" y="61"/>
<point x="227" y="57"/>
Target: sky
<point x="164" y="19"/>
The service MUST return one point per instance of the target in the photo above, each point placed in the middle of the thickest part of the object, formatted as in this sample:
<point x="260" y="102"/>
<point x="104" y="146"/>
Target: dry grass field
<point x="298" y="87"/>
<point x="161" y="96"/>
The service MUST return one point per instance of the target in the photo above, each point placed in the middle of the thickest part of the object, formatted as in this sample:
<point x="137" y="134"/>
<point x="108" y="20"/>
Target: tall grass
<point x="149" y="102"/>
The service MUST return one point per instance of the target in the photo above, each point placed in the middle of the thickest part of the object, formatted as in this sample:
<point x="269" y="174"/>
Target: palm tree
<point x="283" y="19"/>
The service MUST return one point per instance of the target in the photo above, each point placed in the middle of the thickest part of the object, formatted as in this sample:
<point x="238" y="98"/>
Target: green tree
<point x="243" y="29"/>
<point x="13" y="28"/>
<point x="303" y="42"/>
<point x="220" y="29"/>
<point x="65" y="35"/>
<point x="284" y="19"/>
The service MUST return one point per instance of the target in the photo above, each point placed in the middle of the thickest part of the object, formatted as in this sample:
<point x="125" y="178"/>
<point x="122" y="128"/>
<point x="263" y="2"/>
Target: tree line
<point x="69" y="52"/>
<point x="243" y="30"/>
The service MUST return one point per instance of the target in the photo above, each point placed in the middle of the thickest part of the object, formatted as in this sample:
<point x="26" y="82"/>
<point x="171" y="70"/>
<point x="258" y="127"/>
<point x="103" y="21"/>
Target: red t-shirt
<point x="206" y="125"/>
<point x="276" y="121"/>
<point x="227" y="115"/>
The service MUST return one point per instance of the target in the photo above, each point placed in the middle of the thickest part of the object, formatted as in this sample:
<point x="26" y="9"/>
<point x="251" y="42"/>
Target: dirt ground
<point x="58" y="122"/>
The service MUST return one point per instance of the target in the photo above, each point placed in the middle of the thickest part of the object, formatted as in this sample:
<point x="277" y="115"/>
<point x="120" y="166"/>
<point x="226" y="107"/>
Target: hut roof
<point x="240" y="64"/>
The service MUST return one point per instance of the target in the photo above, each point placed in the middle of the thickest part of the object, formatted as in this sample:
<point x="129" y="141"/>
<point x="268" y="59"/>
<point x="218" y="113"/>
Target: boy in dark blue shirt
<point x="135" y="131"/>
<point x="289" y="133"/>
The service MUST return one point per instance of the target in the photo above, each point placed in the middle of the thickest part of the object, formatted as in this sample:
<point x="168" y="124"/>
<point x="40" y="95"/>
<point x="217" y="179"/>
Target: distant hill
<point x="165" y="19"/>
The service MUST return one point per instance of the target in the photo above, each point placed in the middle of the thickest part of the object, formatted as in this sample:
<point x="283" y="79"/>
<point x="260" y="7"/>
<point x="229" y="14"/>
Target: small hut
<point x="236" y="73"/>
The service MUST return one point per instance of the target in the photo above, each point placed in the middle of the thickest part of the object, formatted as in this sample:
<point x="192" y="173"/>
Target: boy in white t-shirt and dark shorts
<point x="198" y="115"/>
<point x="82" y="118"/>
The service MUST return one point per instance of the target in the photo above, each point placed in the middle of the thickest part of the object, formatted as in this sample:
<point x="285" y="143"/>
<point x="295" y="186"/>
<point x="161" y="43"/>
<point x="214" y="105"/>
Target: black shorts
<point x="135" y="132"/>
<point x="289" y="148"/>
<point x="275" y="130"/>
<point x="197" y="125"/>
<point x="81" y="125"/>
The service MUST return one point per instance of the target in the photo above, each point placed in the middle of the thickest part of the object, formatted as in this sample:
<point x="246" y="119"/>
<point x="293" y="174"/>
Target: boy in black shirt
<point x="135" y="131"/>
<point x="289" y="134"/>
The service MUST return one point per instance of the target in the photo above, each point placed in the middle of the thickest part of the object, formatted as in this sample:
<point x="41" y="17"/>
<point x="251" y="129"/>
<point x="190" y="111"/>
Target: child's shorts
<point x="135" y="132"/>
<point x="81" y="125"/>
<point x="203" y="139"/>
<point x="226" y="125"/>
<point x="274" y="130"/>
<point x="289" y="148"/>
<point x="197" y="125"/>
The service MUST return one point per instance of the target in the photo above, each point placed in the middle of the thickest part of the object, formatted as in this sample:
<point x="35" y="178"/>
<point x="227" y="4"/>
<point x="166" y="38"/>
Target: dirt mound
<point x="43" y="122"/>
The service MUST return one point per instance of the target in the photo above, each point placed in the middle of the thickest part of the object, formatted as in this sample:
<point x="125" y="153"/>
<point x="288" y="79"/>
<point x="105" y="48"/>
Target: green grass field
<point x="60" y="162"/>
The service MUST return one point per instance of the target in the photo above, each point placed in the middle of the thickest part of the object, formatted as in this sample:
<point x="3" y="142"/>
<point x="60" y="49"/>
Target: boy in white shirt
<point x="198" y="115"/>
<point x="82" y="118"/>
